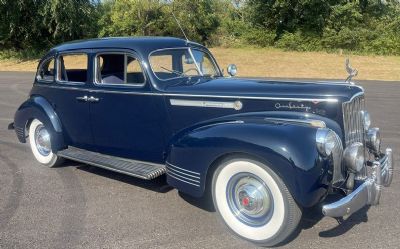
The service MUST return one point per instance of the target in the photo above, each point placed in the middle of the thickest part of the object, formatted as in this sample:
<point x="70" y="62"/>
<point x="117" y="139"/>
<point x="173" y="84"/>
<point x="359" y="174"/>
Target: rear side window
<point x="118" y="69"/>
<point x="46" y="71"/>
<point x="72" y="68"/>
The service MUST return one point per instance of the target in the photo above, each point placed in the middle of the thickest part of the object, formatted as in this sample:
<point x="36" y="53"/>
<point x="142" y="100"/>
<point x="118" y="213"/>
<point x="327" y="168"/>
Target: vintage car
<point x="263" y="149"/>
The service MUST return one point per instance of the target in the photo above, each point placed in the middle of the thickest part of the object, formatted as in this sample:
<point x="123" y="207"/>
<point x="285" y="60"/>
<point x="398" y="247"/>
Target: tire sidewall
<point x="49" y="160"/>
<point x="275" y="238"/>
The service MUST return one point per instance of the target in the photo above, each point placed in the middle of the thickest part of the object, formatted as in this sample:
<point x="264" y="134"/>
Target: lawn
<point x="267" y="62"/>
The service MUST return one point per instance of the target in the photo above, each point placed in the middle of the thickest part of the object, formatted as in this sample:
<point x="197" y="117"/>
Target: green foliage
<point x="31" y="24"/>
<point x="361" y="26"/>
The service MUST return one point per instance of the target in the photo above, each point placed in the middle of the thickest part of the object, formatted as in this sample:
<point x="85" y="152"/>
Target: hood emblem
<point x="351" y="71"/>
<point x="292" y="106"/>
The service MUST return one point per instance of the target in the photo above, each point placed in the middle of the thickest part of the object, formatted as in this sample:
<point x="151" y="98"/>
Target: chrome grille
<point x="353" y="120"/>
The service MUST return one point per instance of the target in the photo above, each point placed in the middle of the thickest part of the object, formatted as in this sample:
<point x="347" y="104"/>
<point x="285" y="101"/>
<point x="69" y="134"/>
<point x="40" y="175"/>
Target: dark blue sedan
<point x="262" y="149"/>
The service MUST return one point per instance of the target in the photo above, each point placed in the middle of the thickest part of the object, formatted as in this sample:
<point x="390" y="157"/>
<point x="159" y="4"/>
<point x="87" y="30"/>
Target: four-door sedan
<point x="263" y="149"/>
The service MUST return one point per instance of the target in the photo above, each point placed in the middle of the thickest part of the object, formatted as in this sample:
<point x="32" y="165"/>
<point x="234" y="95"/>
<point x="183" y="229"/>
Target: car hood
<point x="244" y="87"/>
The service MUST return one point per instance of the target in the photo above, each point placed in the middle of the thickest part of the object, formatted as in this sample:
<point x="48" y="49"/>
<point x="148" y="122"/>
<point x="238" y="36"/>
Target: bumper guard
<point x="368" y="193"/>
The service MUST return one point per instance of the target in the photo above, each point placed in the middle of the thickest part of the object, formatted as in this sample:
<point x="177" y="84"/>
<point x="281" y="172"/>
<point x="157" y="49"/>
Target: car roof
<point x="142" y="45"/>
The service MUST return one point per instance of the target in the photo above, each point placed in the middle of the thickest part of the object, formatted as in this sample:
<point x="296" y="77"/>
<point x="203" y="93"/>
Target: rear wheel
<point x="254" y="202"/>
<point x="40" y="142"/>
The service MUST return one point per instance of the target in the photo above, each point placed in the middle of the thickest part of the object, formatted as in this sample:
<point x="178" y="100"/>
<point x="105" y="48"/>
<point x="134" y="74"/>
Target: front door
<point x="127" y="119"/>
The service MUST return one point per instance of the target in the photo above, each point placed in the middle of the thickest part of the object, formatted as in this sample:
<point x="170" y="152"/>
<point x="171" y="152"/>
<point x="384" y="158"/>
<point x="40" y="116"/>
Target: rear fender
<point x="37" y="107"/>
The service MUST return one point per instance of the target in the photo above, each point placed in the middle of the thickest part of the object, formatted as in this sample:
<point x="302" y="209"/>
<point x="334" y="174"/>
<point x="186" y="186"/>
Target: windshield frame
<point x="214" y="62"/>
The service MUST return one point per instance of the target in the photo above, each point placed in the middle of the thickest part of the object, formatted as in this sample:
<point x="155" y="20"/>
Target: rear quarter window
<point x="46" y="71"/>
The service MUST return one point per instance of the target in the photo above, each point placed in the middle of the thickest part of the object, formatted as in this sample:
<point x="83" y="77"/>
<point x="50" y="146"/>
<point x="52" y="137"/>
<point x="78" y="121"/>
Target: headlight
<point x="366" y="119"/>
<point x="326" y="141"/>
<point x="353" y="157"/>
<point x="374" y="139"/>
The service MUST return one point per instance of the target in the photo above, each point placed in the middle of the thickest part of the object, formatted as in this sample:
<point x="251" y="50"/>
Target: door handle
<point x="93" y="99"/>
<point x="83" y="98"/>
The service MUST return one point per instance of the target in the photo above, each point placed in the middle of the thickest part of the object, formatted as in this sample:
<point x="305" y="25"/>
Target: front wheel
<point x="40" y="142"/>
<point x="254" y="202"/>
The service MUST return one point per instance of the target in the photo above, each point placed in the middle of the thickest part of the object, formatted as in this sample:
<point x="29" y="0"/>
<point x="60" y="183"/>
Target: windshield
<point x="184" y="62"/>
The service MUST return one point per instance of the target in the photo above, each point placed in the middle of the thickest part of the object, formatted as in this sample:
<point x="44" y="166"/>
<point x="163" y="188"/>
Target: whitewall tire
<point x="40" y="142"/>
<point x="254" y="202"/>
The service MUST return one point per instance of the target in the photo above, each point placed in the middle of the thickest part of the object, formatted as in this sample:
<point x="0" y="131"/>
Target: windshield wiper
<point x="174" y="71"/>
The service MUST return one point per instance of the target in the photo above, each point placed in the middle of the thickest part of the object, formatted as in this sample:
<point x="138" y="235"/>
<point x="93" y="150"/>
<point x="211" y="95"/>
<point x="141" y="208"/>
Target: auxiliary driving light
<point x="373" y="139"/>
<point x="353" y="157"/>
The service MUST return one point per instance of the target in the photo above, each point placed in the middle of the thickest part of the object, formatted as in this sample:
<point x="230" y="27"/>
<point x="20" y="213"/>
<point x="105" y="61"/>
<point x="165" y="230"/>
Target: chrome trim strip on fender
<point x="169" y="164"/>
<point x="183" y="177"/>
<point x="330" y="100"/>
<point x="182" y="180"/>
<point x="180" y="172"/>
<point x="237" y="105"/>
<point x="312" y="122"/>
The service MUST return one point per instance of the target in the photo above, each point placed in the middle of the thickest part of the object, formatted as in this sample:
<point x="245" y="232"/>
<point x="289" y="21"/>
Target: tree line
<point x="362" y="26"/>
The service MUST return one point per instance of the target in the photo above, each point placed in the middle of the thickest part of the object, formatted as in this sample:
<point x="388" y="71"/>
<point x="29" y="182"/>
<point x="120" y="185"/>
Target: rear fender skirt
<point x="289" y="149"/>
<point x="37" y="107"/>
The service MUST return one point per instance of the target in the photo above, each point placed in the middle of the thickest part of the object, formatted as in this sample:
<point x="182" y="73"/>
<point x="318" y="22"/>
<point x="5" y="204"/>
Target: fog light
<point x="353" y="157"/>
<point x="373" y="139"/>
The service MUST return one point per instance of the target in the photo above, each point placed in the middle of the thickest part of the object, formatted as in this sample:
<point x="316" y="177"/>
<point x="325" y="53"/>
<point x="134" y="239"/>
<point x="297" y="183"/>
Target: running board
<point x="130" y="167"/>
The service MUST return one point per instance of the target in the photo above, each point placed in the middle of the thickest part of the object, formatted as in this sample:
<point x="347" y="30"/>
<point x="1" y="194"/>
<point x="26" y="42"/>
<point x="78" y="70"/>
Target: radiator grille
<point x="353" y="120"/>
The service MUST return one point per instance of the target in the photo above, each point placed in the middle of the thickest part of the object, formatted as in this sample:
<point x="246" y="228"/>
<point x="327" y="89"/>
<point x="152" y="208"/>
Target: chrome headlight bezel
<point x="373" y="139"/>
<point x="326" y="141"/>
<point x="353" y="157"/>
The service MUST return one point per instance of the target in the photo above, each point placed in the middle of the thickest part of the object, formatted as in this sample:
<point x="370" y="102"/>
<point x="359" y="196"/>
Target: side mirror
<point x="232" y="69"/>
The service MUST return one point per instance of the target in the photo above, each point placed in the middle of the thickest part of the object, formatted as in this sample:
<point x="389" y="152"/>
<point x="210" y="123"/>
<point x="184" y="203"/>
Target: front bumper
<point x="368" y="193"/>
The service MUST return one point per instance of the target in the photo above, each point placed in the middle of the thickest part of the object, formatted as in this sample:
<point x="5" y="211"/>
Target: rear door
<point x="68" y="97"/>
<point x="127" y="118"/>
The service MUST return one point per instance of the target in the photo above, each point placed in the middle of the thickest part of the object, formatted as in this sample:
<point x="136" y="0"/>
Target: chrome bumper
<point x="368" y="193"/>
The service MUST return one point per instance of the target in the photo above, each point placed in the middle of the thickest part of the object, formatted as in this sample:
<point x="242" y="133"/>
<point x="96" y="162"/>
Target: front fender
<point x="288" y="149"/>
<point x="37" y="107"/>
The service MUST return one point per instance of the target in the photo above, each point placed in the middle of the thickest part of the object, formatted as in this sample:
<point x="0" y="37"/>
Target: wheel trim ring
<point x="256" y="192"/>
<point x="42" y="140"/>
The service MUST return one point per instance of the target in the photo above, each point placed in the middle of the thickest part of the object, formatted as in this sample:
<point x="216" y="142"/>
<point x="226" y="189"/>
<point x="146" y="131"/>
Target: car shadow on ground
<point x="311" y="216"/>
<point x="158" y="184"/>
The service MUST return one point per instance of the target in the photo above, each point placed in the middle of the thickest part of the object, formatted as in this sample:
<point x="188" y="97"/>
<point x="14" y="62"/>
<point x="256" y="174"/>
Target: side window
<point x="46" y="71"/>
<point x="121" y="69"/>
<point x="72" y="67"/>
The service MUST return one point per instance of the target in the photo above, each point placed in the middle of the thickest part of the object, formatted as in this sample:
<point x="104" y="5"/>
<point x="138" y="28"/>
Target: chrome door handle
<point x="83" y="98"/>
<point x="93" y="99"/>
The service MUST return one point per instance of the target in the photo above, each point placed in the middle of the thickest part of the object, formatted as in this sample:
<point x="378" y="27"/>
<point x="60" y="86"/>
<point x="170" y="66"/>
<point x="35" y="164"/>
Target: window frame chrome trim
<point x="124" y="85"/>
<point x="186" y="48"/>
<point x="74" y="52"/>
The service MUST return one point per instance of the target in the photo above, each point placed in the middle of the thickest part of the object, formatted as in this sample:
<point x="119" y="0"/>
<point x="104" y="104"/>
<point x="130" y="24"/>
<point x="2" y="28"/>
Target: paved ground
<point x="78" y="206"/>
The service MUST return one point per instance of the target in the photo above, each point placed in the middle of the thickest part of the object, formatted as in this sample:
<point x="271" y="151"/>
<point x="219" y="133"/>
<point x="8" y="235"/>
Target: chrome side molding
<point x="236" y="105"/>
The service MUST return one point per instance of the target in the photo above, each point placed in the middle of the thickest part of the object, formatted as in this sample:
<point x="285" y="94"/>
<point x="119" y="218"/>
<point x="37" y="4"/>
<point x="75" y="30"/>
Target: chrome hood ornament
<point x="351" y="71"/>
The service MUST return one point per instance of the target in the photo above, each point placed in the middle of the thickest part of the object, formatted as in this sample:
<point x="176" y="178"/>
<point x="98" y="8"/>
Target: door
<point x="67" y="97"/>
<point x="127" y="119"/>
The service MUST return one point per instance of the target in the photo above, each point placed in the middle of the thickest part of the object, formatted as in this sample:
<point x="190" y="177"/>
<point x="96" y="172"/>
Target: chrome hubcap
<point x="42" y="140"/>
<point x="249" y="199"/>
